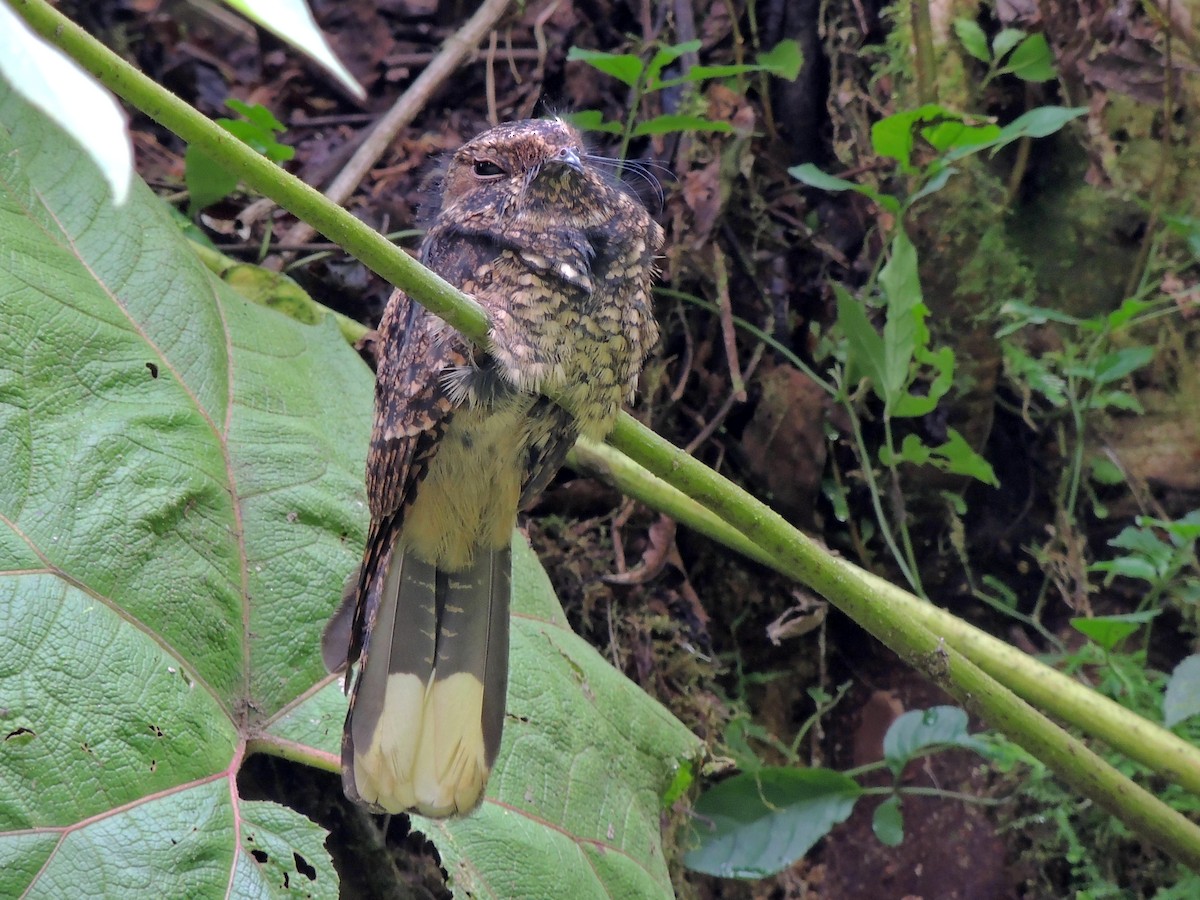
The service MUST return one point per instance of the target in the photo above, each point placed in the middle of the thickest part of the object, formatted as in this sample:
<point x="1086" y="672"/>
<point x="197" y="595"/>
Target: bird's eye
<point x="485" y="168"/>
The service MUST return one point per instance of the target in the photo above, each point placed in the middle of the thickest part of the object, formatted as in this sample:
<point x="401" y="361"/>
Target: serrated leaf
<point x="1182" y="699"/>
<point x="754" y="825"/>
<point x="973" y="39"/>
<point x="955" y="455"/>
<point x="942" y="363"/>
<point x="282" y="854"/>
<point x="961" y="459"/>
<point x="920" y="730"/>
<point x="177" y="452"/>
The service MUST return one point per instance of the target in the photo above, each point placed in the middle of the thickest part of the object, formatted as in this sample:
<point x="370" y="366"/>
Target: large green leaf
<point x="756" y="824"/>
<point x="180" y="498"/>
<point x="180" y="501"/>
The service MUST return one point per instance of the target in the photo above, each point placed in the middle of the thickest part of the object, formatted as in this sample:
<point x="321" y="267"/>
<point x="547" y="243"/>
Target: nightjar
<point x="562" y="259"/>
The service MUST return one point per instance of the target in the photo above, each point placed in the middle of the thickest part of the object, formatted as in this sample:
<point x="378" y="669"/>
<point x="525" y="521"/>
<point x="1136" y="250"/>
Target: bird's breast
<point x="468" y="498"/>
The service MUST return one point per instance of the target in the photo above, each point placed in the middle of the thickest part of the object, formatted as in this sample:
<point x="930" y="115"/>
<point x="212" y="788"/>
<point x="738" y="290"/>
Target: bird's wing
<point x="412" y="411"/>
<point x="413" y="406"/>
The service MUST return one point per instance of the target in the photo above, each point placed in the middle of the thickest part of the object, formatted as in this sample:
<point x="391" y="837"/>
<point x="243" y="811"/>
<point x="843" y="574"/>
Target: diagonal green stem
<point x="967" y="663"/>
<point x="964" y="660"/>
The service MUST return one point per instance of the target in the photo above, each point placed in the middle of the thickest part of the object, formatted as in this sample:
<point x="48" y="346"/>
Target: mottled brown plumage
<point x="562" y="259"/>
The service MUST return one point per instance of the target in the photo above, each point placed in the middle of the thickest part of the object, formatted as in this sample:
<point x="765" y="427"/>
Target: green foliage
<point x="955" y="456"/>
<point x="893" y="362"/>
<point x="887" y="822"/>
<point x="207" y="182"/>
<point x="174" y="452"/>
<point x="182" y="499"/>
<point x="760" y="822"/>
<point x="944" y="137"/>
<point x="923" y="143"/>
<point x="1108" y="631"/>
<point x="646" y="77"/>
<point x="756" y="824"/>
<point x="917" y="731"/>
<point x="1012" y="52"/>
<point x="1162" y="564"/>
<point x="1083" y="376"/>
<point x="1075" y="847"/>
<point x="1182" y="698"/>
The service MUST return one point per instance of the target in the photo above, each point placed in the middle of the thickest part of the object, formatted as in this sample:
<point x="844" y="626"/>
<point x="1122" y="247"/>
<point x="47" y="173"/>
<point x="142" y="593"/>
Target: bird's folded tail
<point x="427" y="710"/>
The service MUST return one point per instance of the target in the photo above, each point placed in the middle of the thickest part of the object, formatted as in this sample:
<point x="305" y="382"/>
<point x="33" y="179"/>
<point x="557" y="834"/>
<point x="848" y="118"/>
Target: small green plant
<point x="646" y="77"/>
<point x="892" y="363"/>
<point x="1075" y="847"/>
<point x="1060" y="388"/>
<point x="899" y="365"/>
<point x="763" y="820"/>
<point x="207" y="181"/>
<point x="1011" y="52"/>
<point x="1160" y="563"/>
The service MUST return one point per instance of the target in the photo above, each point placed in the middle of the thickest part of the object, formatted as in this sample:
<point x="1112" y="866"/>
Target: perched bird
<point x="562" y="259"/>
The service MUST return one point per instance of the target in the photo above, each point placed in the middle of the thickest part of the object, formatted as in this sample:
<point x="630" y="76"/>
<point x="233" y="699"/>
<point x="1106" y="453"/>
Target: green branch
<point x="935" y="643"/>
<point x="846" y="586"/>
<point x="963" y="660"/>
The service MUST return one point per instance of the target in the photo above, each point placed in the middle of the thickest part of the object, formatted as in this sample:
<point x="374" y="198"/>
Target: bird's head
<point x="525" y="175"/>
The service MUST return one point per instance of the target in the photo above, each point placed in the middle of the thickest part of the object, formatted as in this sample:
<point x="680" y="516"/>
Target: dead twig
<point x="727" y="330"/>
<point x="716" y="421"/>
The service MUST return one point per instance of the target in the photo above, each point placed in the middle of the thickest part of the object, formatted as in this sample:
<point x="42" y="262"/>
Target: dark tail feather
<point x="427" y="710"/>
